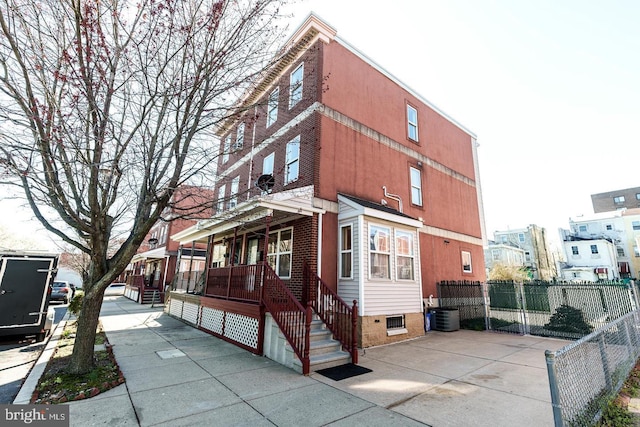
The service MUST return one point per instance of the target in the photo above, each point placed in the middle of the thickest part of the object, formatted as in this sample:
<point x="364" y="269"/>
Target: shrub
<point x="569" y="319"/>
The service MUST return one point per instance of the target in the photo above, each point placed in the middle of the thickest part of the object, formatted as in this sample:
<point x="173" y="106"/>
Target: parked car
<point x="115" y="289"/>
<point x="61" y="291"/>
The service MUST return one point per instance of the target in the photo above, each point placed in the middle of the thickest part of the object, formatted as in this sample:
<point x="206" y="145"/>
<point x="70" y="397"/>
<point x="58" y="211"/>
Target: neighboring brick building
<point x="615" y="200"/>
<point x="355" y="174"/>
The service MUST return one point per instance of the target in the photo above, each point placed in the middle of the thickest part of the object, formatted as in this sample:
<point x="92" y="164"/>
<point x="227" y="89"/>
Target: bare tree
<point x="108" y="106"/>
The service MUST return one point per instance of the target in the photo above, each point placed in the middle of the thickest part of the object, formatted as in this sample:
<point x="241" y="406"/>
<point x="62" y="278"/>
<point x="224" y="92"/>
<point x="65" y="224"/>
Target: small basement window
<point x="396" y="325"/>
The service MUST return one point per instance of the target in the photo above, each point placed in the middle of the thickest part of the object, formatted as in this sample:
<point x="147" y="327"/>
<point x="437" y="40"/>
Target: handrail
<point x="293" y="319"/>
<point x="340" y="319"/>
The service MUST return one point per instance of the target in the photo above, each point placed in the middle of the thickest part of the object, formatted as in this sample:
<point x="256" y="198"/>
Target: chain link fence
<point x="586" y="374"/>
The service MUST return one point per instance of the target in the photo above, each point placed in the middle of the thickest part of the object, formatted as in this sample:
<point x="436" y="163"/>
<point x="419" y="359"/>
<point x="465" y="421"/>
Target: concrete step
<point x="323" y="361"/>
<point x="324" y="347"/>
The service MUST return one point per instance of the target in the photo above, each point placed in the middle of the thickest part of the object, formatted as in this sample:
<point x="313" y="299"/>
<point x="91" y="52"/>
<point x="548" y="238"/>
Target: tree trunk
<point x="82" y="357"/>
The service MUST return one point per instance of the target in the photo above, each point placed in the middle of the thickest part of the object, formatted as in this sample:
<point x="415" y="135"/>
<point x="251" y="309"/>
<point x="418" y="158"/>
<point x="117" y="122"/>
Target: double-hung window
<point x="226" y="147"/>
<point x="346" y="252"/>
<point x="404" y="255"/>
<point x="416" y="186"/>
<point x="280" y="250"/>
<point x="618" y="200"/>
<point x="574" y="250"/>
<point x="233" y="198"/>
<point x="594" y="249"/>
<point x="412" y="123"/>
<point x="292" y="163"/>
<point x="272" y="107"/>
<point x="635" y="225"/>
<point x="267" y="164"/>
<point x="239" y="137"/>
<point x="380" y="252"/>
<point x="220" y="205"/>
<point x="295" y="85"/>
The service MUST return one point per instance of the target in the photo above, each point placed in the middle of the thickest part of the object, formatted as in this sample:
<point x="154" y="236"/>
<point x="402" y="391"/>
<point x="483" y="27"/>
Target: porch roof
<point x="376" y="210"/>
<point x="248" y="213"/>
<point x="157" y="253"/>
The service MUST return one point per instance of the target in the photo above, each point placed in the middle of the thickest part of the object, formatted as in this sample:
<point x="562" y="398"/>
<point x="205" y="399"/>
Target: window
<point x="267" y="164"/>
<point x="636" y="251"/>
<point x="635" y="225"/>
<point x="582" y="228"/>
<point x="609" y="227"/>
<point x="380" y="252"/>
<point x="226" y="148"/>
<point x="280" y="249"/>
<point x="637" y="196"/>
<point x="221" y="191"/>
<point x="404" y="255"/>
<point x="416" y="186"/>
<point x="412" y="123"/>
<point x="395" y="322"/>
<point x="346" y="252"/>
<point x="620" y="250"/>
<point x="594" y="249"/>
<point x="295" y="85"/>
<point x="466" y="261"/>
<point x="239" y="137"/>
<point x="618" y="199"/>
<point x="293" y="160"/>
<point x="233" y="199"/>
<point x="495" y="255"/>
<point x="574" y="250"/>
<point x="521" y="237"/>
<point x="504" y="238"/>
<point x="272" y="107"/>
<point x="527" y="256"/>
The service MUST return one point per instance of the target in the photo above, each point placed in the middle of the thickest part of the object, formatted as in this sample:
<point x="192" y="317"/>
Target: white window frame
<point x="226" y="147"/>
<point x="618" y="200"/>
<point x="221" y="192"/>
<point x="465" y="258"/>
<point x="521" y="237"/>
<point x="416" y="186"/>
<point x="272" y="107"/>
<point x="239" y="137"/>
<point x="412" y="123"/>
<point x="276" y="252"/>
<point x="268" y="163"/>
<point x="292" y="160"/>
<point x="403" y="256"/>
<point x="296" y="82"/>
<point x="594" y="250"/>
<point x="575" y="250"/>
<point x="379" y="253"/>
<point x="233" y="197"/>
<point x="346" y="252"/>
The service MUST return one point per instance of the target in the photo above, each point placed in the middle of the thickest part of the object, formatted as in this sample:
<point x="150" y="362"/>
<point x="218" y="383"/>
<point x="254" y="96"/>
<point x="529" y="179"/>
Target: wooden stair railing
<point x="340" y="319"/>
<point x="293" y="319"/>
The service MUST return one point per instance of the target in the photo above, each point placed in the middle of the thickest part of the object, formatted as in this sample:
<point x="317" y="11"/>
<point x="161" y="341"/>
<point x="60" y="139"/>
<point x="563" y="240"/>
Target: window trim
<point x="239" y="137"/>
<point x="412" y="125"/>
<point x="345" y="251"/>
<point x="279" y="253"/>
<point x="272" y="106"/>
<point x="296" y="86"/>
<point x="418" y="187"/>
<point x="466" y="270"/>
<point x="373" y="251"/>
<point x="290" y="161"/>
<point x="410" y="256"/>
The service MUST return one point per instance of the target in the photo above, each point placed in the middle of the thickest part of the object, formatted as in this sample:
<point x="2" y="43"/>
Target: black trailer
<point x="24" y="292"/>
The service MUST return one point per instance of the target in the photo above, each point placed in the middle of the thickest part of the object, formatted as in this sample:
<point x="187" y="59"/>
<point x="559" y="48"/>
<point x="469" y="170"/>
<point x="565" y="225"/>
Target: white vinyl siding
<point x="348" y="288"/>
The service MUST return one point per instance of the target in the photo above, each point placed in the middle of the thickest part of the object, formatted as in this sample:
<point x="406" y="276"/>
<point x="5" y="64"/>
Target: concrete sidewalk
<point x="177" y="375"/>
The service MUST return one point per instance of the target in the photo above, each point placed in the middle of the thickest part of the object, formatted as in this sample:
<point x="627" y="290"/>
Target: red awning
<point x="601" y="270"/>
<point x="624" y="267"/>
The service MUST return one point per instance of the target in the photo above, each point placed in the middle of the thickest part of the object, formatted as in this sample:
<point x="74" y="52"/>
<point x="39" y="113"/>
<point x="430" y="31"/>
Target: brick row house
<point x="338" y="170"/>
<point x="162" y="263"/>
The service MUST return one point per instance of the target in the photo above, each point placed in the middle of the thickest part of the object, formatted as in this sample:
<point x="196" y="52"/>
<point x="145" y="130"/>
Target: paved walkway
<point x="177" y="375"/>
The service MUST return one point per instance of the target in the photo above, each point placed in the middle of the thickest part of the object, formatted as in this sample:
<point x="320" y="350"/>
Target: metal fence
<point x="586" y="374"/>
<point x="556" y="309"/>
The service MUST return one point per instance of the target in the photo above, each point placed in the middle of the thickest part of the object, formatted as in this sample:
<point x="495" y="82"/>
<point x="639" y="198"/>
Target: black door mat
<point x="338" y="373"/>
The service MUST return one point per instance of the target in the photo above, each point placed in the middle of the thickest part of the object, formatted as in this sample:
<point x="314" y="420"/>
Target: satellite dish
<point x="265" y="182"/>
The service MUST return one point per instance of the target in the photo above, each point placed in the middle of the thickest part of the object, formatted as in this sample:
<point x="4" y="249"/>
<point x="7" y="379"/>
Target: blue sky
<point x="550" y="88"/>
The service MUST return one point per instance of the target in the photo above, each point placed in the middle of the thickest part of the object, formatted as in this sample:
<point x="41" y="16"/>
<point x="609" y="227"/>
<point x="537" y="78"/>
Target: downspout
<point x="319" y="260"/>
<point x="393" y="197"/>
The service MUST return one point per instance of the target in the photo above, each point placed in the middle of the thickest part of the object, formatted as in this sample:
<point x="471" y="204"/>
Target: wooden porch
<point x="239" y="301"/>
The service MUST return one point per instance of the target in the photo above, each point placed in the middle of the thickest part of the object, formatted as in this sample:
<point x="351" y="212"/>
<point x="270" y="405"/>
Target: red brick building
<point x="353" y="173"/>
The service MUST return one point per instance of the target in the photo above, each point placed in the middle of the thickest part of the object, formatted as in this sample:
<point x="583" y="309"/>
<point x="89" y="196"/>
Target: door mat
<point x="338" y="373"/>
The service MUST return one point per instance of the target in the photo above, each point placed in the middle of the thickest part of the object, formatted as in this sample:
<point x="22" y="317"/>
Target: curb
<point x="29" y="385"/>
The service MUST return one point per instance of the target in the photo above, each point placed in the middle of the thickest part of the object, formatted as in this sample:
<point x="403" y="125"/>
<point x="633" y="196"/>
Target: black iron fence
<point x="558" y="309"/>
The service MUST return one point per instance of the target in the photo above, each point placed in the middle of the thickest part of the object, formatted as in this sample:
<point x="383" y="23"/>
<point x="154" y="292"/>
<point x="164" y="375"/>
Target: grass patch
<point x="58" y="386"/>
